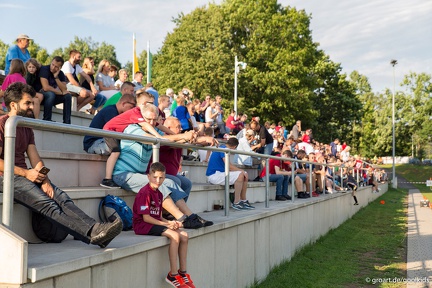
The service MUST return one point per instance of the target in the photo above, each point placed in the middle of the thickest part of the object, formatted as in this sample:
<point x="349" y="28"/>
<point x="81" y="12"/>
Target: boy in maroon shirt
<point x="147" y="220"/>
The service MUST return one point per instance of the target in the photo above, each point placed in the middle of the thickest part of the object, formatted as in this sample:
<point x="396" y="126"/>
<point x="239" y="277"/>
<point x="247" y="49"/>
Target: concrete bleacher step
<point x="288" y="226"/>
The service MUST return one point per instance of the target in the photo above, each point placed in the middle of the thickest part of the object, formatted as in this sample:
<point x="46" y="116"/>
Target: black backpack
<point x="46" y="230"/>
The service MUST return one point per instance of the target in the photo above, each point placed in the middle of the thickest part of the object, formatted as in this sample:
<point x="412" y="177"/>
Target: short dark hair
<point x="232" y="142"/>
<point x="58" y="59"/>
<point x="127" y="83"/>
<point x="287" y="153"/>
<point x="157" y="167"/>
<point x="15" y="92"/>
<point x="73" y="52"/>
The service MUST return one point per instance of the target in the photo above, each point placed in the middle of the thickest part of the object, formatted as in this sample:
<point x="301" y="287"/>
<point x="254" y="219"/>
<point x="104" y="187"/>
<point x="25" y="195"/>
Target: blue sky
<point x="361" y="35"/>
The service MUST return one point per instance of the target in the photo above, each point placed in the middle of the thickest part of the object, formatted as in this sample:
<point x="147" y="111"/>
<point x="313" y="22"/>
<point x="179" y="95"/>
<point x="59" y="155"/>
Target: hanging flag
<point x="149" y="63"/>
<point x="135" y="66"/>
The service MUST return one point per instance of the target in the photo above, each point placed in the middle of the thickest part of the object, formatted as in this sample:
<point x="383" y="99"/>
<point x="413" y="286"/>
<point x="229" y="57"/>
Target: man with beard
<point x="72" y="69"/>
<point x="54" y="89"/>
<point x="34" y="190"/>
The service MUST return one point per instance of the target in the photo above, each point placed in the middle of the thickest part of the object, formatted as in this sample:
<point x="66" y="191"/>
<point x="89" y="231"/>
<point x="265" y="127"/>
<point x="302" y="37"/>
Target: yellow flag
<point x="135" y="67"/>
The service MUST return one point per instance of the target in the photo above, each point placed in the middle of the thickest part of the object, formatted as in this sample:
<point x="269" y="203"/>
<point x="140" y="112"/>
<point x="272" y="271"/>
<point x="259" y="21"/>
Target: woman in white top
<point x="104" y="82"/>
<point x="211" y="113"/>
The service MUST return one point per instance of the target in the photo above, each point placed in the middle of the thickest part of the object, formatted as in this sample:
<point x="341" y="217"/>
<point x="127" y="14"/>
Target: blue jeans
<point x="51" y="99"/>
<point x="135" y="181"/>
<point x="184" y="183"/>
<point x="61" y="209"/>
<point x="99" y="100"/>
<point x="282" y="182"/>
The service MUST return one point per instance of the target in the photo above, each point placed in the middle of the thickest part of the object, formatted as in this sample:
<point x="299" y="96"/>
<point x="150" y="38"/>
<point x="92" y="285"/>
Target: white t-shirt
<point x="243" y="159"/>
<point x="209" y="111"/>
<point x="306" y="147"/>
<point x="68" y="68"/>
<point x="106" y="80"/>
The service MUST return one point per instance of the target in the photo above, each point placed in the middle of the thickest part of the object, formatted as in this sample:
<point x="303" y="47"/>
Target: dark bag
<point x="113" y="207"/>
<point x="46" y="230"/>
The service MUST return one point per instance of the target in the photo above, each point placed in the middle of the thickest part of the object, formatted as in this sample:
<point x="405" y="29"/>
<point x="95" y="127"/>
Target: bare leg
<point x="36" y="106"/>
<point x="84" y="98"/>
<point x="182" y="251"/>
<point x="111" y="161"/>
<point x="182" y="206"/>
<point x="173" y="249"/>
<point x="239" y="187"/>
<point x="168" y="205"/>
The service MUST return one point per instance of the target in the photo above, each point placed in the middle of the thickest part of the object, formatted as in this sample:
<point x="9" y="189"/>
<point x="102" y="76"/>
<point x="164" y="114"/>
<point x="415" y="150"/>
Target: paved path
<point x="419" y="260"/>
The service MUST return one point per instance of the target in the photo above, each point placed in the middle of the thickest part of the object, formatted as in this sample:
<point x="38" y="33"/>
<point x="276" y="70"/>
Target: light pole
<point x="236" y="71"/>
<point x="394" y="181"/>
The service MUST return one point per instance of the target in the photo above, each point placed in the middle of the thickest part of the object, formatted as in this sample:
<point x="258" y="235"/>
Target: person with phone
<point x="34" y="189"/>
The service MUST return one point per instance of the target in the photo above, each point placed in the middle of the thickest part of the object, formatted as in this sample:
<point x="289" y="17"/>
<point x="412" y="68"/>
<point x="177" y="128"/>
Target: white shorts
<point x="218" y="178"/>
<point x="73" y="88"/>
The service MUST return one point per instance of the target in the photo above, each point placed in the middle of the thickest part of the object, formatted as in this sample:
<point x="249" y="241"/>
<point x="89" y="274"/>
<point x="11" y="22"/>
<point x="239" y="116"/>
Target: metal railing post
<point x="8" y="175"/>
<point x="310" y="180"/>
<point x="156" y="151"/>
<point x="227" y="198"/>
<point x="334" y="179"/>
<point x="293" y="175"/>
<point x="267" y="184"/>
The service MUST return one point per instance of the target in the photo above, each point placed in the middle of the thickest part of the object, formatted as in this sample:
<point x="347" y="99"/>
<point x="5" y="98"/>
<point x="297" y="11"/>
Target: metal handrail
<point x="9" y="155"/>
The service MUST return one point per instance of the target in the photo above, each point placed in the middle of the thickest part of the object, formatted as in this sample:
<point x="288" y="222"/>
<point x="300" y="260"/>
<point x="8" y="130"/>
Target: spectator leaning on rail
<point x="18" y="51"/>
<point x="133" y="162"/>
<point x="34" y="189"/>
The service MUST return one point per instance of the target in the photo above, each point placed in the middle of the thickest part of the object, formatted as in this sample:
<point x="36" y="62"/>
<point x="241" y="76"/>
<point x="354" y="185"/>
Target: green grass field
<point x="370" y="245"/>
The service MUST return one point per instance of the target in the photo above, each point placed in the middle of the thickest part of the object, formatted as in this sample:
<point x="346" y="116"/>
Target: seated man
<point x="280" y="172"/>
<point x="126" y="88"/>
<point x="72" y="69"/>
<point x="303" y="172"/>
<point x="130" y="168"/>
<point x="216" y="175"/>
<point x="96" y="144"/>
<point x="171" y="157"/>
<point x="54" y="89"/>
<point x="34" y="189"/>
<point x="137" y="80"/>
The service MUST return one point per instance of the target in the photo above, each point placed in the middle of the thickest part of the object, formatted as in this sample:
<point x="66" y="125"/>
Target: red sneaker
<point x="314" y="194"/>
<point x="187" y="279"/>
<point x="176" y="281"/>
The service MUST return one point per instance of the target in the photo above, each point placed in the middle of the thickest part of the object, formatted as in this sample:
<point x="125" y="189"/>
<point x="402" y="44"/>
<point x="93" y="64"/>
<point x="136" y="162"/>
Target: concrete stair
<point x="234" y="252"/>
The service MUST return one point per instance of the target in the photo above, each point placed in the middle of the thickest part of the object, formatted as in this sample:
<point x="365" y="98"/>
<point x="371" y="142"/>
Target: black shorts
<point x="113" y="144"/>
<point x="157" y="230"/>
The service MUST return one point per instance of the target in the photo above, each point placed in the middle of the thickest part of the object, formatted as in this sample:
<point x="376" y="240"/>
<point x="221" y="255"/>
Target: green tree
<point x="3" y="50"/>
<point x="196" y="54"/>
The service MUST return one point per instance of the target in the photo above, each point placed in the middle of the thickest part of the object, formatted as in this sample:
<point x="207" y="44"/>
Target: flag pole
<point x="133" y="55"/>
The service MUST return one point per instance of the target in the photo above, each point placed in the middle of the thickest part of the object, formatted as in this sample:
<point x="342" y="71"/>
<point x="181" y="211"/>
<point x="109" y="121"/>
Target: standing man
<point x="18" y="51"/>
<point x="72" y="69"/>
<point x="265" y="139"/>
<point x="34" y="190"/>
<point x="295" y="132"/>
<point x="54" y="89"/>
<point x="219" y="118"/>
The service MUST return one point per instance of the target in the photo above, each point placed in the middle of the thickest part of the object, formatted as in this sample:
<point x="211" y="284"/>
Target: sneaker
<point x="356" y="204"/>
<point x="287" y="197"/>
<point x="103" y="233"/>
<point x="314" y="194"/>
<point x="280" y="198"/>
<point x="204" y="222"/>
<point x="238" y="206"/>
<point x="192" y="222"/>
<point x="176" y="281"/>
<point x="306" y="195"/>
<point x="109" y="183"/>
<point x="187" y="279"/>
<point x="328" y="192"/>
<point x="247" y="205"/>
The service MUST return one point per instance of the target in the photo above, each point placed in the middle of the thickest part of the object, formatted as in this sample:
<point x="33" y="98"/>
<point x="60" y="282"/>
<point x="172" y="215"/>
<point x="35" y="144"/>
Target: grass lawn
<point x="372" y="244"/>
<point x="415" y="173"/>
